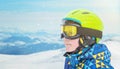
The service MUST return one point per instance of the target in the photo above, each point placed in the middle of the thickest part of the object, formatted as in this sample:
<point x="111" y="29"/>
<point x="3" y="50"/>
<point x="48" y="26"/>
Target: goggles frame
<point x="82" y="31"/>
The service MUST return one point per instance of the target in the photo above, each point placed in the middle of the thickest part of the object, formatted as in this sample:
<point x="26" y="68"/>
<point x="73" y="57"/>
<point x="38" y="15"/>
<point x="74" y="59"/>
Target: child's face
<point x="71" y="45"/>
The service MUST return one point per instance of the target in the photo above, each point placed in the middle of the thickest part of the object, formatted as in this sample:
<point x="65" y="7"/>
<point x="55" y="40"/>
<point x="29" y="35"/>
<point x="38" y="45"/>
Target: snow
<point x="114" y="48"/>
<point x="52" y="59"/>
<point x="44" y="60"/>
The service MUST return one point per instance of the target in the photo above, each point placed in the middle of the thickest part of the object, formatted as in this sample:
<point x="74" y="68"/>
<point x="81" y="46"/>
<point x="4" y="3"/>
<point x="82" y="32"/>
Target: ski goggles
<point x="72" y="31"/>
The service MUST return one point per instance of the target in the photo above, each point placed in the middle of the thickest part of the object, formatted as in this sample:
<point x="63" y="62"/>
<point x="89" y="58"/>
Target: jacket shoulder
<point x="98" y="48"/>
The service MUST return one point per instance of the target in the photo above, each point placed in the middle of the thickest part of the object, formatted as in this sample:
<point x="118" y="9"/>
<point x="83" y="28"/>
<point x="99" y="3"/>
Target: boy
<point x="81" y="32"/>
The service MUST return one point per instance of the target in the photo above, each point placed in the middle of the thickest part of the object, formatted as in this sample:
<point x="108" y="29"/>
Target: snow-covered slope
<point x="44" y="60"/>
<point x="53" y="59"/>
<point x="114" y="47"/>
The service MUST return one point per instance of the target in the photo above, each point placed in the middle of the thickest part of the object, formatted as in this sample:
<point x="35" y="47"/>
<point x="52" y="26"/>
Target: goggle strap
<point x="62" y="35"/>
<point x="90" y="32"/>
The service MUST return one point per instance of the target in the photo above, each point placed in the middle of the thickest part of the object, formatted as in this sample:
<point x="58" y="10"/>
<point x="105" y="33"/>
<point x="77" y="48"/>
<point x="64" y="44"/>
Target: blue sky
<point x="46" y="15"/>
<point x="55" y="5"/>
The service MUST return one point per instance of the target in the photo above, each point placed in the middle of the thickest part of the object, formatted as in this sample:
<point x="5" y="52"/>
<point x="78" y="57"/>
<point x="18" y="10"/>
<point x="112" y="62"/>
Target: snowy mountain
<point x="27" y="43"/>
<point x="53" y="59"/>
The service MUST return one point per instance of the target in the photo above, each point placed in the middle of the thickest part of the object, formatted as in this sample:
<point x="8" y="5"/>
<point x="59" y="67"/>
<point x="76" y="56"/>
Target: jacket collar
<point x="85" y="53"/>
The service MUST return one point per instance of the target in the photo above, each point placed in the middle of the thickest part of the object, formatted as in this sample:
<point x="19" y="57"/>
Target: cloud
<point x="4" y="36"/>
<point x="19" y="43"/>
<point x="32" y="21"/>
<point x="16" y="43"/>
<point x="49" y="38"/>
<point x="3" y="44"/>
<point x="37" y="42"/>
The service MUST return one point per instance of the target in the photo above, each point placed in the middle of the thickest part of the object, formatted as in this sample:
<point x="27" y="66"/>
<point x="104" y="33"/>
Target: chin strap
<point x="86" y="41"/>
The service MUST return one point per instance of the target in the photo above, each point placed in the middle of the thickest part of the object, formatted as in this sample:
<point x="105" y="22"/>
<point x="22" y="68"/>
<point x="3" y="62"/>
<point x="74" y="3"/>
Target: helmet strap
<point x="86" y="41"/>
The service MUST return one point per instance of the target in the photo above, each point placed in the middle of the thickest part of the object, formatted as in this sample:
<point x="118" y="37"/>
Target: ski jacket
<point x="94" y="57"/>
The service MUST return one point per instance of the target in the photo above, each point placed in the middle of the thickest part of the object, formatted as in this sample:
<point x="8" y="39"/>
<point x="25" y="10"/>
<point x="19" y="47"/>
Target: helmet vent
<point x="75" y="11"/>
<point x="86" y="13"/>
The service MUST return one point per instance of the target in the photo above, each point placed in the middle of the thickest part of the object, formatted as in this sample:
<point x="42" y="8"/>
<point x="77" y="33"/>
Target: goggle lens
<point x="69" y="30"/>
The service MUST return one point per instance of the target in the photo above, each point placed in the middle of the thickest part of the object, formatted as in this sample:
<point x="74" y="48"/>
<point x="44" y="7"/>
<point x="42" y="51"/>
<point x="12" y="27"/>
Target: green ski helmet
<point x="87" y="19"/>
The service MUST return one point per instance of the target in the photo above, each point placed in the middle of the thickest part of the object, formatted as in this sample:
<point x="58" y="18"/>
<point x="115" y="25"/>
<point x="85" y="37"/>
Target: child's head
<point x="81" y="28"/>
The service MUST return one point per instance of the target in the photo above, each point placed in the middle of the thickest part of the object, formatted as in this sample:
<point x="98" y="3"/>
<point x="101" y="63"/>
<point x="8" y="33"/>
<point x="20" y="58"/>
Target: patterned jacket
<point x="95" y="57"/>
